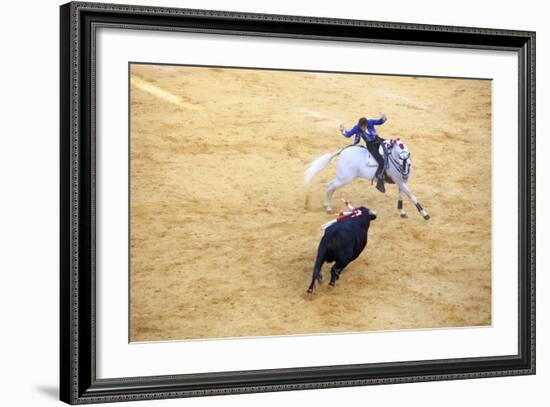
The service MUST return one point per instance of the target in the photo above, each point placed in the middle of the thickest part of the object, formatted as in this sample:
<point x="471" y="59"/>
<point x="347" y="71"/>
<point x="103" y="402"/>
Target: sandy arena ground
<point x="222" y="242"/>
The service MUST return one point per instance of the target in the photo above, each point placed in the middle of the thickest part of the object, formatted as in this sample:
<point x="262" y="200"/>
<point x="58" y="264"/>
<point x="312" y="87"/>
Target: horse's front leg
<point x="400" y="208"/>
<point x="403" y="187"/>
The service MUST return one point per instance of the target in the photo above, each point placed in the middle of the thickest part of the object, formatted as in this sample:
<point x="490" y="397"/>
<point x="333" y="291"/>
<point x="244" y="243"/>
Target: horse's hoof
<point x="331" y="284"/>
<point x="427" y="217"/>
<point x="310" y="293"/>
<point x="328" y="209"/>
<point x="404" y="216"/>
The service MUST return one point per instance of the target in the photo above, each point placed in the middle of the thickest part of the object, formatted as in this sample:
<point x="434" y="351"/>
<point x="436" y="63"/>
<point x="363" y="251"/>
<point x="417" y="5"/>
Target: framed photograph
<point x="255" y="203"/>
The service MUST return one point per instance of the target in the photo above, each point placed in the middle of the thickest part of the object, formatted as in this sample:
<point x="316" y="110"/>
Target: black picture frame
<point x="78" y="382"/>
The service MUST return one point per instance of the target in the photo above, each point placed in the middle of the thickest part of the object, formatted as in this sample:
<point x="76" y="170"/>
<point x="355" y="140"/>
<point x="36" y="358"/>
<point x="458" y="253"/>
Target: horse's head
<point x="400" y="153"/>
<point x="399" y="150"/>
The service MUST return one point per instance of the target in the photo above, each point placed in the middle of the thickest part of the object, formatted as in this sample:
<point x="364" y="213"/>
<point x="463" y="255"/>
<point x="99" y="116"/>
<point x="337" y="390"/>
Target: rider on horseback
<point x="365" y="129"/>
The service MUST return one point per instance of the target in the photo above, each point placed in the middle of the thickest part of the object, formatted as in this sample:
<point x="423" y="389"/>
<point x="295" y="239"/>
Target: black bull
<point x="342" y="243"/>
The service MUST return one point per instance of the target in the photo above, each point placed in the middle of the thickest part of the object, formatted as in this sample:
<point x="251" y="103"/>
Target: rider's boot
<point x="380" y="183"/>
<point x="380" y="186"/>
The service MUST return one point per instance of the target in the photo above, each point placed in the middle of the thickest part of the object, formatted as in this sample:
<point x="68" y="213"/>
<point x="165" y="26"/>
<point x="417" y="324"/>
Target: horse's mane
<point x="355" y="145"/>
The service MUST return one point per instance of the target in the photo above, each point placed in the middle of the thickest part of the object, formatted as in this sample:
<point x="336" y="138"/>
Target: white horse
<point x="356" y="162"/>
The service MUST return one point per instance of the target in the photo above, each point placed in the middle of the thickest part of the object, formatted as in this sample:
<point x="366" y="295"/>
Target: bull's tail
<point x="319" y="164"/>
<point x="316" y="277"/>
<point x="321" y="252"/>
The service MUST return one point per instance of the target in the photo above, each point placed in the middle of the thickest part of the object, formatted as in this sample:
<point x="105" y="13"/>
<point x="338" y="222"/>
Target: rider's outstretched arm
<point x="348" y="133"/>
<point x="377" y="122"/>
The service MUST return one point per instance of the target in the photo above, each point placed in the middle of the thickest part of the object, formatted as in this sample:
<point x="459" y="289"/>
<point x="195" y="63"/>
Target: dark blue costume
<point x="373" y="143"/>
<point x="370" y="135"/>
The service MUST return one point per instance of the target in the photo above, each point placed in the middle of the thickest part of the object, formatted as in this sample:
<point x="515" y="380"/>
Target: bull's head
<point x="362" y="212"/>
<point x="367" y="213"/>
<point x="372" y="214"/>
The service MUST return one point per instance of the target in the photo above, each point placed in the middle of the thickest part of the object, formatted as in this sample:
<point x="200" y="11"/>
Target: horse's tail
<point x="319" y="164"/>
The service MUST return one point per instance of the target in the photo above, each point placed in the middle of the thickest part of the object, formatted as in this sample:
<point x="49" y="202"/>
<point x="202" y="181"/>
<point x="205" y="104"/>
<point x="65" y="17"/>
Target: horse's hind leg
<point x="331" y="187"/>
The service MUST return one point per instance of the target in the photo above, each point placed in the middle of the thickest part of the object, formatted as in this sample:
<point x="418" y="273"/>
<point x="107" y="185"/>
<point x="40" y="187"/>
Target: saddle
<point x="371" y="162"/>
<point x="383" y="150"/>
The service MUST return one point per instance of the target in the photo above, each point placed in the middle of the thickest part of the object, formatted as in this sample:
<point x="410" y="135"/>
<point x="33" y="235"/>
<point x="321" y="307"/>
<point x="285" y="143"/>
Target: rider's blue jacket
<point x="370" y="135"/>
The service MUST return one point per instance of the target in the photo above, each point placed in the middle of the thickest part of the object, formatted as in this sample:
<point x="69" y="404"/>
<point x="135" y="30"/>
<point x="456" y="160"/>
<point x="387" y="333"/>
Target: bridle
<point x="404" y="158"/>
